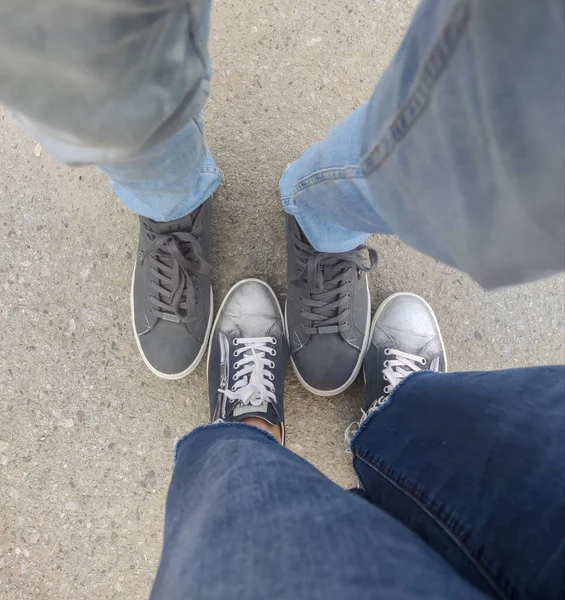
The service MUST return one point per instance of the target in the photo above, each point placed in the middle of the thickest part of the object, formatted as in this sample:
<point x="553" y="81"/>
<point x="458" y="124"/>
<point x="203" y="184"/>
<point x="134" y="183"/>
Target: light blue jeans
<point x="460" y="151"/>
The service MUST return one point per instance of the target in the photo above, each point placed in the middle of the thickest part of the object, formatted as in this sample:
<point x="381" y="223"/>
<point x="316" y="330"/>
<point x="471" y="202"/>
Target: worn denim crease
<point x="432" y="67"/>
<point x="364" y="422"/>
<point x="462" y="487"/>
<point x="453" y="152"/>
<point x="347" y="172"/>
<point x="438" y="513"/>
<point x="181" y="440"/>
<point x="458" y="533"/>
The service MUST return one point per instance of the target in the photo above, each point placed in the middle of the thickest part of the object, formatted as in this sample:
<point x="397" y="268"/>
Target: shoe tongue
<point x="265" y="411"/>
<point x="247" y="410"/>
<point x="259" y="328"/>
<point x="253" y="324"/>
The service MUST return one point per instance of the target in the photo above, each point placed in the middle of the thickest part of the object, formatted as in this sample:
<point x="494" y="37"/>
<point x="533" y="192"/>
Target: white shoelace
<point x="394" y="372"/>
<point x="397" y="369"/>
<point x="253" y="382"/>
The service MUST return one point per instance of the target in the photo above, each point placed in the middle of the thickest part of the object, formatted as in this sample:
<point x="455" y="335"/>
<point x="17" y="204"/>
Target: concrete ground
<point x="86" y="434"/>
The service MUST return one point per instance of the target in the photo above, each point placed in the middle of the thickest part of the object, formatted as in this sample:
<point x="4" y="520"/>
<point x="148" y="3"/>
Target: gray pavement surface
<point x="86" y="432"/>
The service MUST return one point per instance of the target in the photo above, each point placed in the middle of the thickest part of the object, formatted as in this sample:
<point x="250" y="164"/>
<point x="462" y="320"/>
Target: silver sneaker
<point x="405" y="338"/>
<point x="248" y="356"/>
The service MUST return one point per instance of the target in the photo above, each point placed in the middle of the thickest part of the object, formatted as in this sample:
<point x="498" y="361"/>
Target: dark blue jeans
<point x="463" y="496"/>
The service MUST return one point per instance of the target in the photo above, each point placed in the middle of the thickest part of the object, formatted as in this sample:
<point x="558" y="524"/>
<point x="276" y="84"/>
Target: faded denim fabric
<point x="459" y="151"/>
<point x="246" y="518"/>
<point x="473" y="464"/>
<point x="98" y="81"/>
<point x="183" y="175"/>
<point x="462" y="497"/>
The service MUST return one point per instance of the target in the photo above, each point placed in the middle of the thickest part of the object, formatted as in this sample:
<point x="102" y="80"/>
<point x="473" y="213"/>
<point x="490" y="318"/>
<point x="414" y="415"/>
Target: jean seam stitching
<point x="482" y="569"/>
<point x="323" y="175"/>
<point x="212" y="171"/>
<point x="413" y="108"/>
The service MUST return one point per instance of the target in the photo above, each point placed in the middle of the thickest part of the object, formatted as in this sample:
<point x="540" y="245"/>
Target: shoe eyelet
<point x="386" y="363"/>
<point x="235" y="341"/>
<point x="424" y="361"/>
<point x="347" y="324"/>
<point x="272" y="365"/>
<point x="273" y="340"/>
<point x="348" y="295"/>
<point x="196" y="288"/>
<point x="385" y="377"/>
<point x="235" y="353"/>
<point x="235" y="377"/>
<point x="196" y="276"/>
<point x="273" y="352"/>
<point x="387" y="389"/>
<point x="236" y="365"/>
<point x="387" y="351"/>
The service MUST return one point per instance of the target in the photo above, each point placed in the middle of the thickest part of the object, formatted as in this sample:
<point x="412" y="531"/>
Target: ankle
<point x="274" y="430"/>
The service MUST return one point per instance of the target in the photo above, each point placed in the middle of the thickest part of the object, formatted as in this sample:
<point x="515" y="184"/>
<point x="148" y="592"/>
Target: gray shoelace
<point x="176" y="258"/>
<point x="326" y="277"/>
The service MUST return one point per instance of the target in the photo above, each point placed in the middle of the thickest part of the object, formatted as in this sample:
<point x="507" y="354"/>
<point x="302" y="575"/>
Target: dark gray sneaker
<point x="328" y="312"/>
<point x="248" y="356"/>
<point x="405" y="339"/>
<point x="171" y="295"/>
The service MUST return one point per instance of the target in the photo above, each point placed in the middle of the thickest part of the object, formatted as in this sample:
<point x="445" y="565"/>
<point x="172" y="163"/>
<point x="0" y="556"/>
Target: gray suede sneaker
<point x="328" y="312"/>
<point x="405" y="339"/>
<point x="248" y="356"/>
<point x="171" y="295"/>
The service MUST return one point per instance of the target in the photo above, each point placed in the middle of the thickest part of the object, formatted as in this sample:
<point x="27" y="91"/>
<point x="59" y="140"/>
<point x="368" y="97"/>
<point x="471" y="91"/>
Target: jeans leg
<point x="473" y="464"/>
<point x="459" y="151"/>
<point x="170" y="180"/>
<point x="120" y="86"/>
<point x="248" y="519"/>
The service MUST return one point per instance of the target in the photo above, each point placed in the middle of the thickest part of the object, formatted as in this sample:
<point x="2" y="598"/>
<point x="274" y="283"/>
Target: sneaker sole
<point x="383" y="305"/>
<point x="233" y="287"/>
<point x="199" y="356"/>
<point x="358" y="365"/>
